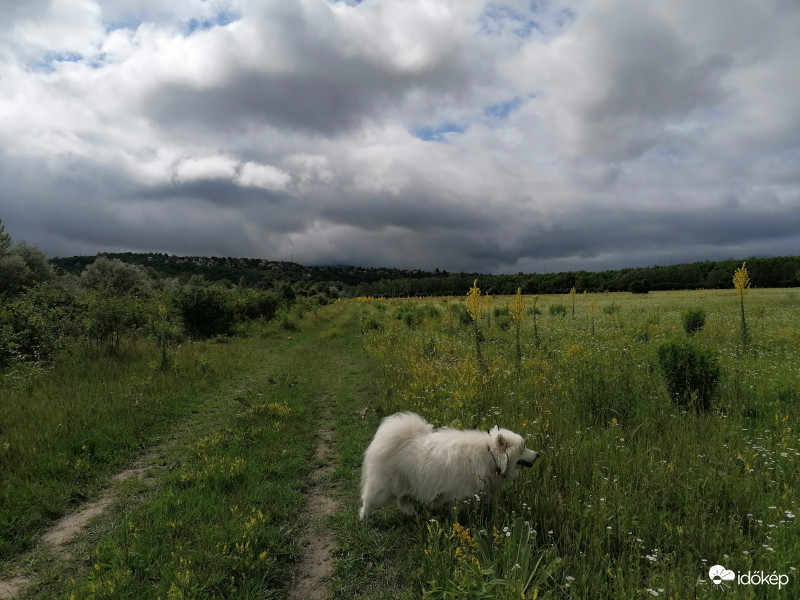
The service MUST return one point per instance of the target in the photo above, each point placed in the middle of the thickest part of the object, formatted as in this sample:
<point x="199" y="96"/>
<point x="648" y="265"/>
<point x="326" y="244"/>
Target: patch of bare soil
<point x="11" y="588"/>
<point x="317" y="542"/>
<point x="56" y="538"/>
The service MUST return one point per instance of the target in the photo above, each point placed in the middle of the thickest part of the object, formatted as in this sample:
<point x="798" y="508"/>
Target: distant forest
<point x="384" y="282"/>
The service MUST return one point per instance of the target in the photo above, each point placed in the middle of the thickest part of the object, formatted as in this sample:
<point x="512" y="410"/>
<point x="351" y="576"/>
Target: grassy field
<point x="635" y="495"/>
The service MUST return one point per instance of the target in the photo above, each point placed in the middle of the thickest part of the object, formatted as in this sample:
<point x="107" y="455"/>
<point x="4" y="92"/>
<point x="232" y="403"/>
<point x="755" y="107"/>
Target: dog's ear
<point x="498" y="449"/>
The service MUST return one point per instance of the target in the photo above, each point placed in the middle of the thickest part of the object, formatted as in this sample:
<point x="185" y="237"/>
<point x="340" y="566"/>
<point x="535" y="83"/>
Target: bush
<point x="108" y="315"/>
<point x="502" y="311"/>
<point x="693" y="319"/>
<point x="255" y="304"/>
<point x="36" y="324"/>
<point x="558" y="310"/>
<point x="503" y="322"/>
<point x="412" y="315"/>
<point x="205" y="311"/>
<point x="22" y="267"/>
<point x="122" y="277"/>
<point x="459" y="311"/>
<point x="691" y="373"/>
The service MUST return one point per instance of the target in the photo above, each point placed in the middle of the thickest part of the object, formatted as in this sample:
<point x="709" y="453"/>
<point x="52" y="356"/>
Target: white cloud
<point x="499" y="127"/>
<point x="208" y="167"/>
<point x="262" y="176"/>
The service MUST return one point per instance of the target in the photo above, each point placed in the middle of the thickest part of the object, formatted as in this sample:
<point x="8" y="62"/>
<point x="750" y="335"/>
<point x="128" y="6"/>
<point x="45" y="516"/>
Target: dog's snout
<point x="529" y="460"/>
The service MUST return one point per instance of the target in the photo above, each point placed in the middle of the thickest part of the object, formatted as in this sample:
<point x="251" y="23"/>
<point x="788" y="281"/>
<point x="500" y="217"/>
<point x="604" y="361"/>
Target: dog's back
<point x="393" y="432"/>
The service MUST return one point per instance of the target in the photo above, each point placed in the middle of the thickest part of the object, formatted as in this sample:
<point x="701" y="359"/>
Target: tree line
<point x="45" y="309"/>
<point x="351" y="281"/>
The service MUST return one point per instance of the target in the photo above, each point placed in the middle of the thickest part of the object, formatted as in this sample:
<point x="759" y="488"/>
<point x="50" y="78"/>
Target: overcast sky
<point x="460" y="134"/>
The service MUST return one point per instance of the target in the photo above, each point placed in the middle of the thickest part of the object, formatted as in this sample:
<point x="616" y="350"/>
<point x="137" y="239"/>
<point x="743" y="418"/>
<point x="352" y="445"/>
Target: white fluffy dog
<point x="408" y="459"/>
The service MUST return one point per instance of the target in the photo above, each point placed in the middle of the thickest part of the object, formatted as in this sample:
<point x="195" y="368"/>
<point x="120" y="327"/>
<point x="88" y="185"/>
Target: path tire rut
<point x="317" y="542"/>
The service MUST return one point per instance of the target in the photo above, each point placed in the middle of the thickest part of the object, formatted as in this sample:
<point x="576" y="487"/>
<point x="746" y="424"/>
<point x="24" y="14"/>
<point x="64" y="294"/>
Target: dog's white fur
<point x="407" y="459"/>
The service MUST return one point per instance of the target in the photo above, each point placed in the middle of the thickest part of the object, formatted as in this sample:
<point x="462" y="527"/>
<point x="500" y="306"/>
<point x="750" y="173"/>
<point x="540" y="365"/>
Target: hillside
<point x="360" y="281"/>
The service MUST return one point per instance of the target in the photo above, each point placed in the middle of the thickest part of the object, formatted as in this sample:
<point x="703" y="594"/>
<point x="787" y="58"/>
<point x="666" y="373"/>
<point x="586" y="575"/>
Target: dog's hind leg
<point x="370" y="500"/>
<point x="405" y="506"/>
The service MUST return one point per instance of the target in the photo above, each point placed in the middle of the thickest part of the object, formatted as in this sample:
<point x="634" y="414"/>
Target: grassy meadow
<point x="637" y="493"/>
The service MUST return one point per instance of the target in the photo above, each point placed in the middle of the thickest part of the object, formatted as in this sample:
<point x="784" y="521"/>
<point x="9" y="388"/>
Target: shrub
<point x="21" y="267"/>
<point x="124" y="278"/>
<point x="205" y="311"/>
<point x="503" y="322"/>
<point x="502" y="311"/>
<point x="108" y="315"/>
<point x="255" y="304"/>
<point x="460" y="312"/>
<point x="693" y="319"/>
<point x="36" y="324"/>
<point x="558" y="310"/>
<point x="691" y="373"/>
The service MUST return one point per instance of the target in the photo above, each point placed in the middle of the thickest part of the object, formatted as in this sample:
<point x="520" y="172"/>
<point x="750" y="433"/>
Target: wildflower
<point x="474" y="302"/>
<point x="741" y="282"/>
<point x="517" y="306"/>
<point x="517" y="310"/>
<point x="467" y="547"/>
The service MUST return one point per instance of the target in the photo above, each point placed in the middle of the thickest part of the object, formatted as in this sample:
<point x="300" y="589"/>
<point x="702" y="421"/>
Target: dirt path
<point x="55" y="540"/>
<point x="317" y="541"/>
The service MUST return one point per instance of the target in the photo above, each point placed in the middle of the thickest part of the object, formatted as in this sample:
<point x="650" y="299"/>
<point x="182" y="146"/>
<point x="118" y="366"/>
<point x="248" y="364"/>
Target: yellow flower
<point x="466" y="547"/>
<point x="517" y="306"/>
<point x="741" y="281"/>
<point x="474" y="302"/>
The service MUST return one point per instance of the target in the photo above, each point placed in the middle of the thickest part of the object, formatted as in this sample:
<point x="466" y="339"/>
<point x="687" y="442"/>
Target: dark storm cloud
<point x="331" y="89"/>
<point x="595" y="232"/>
<point x="404" y="134"/>
<point x="415" y="212"/>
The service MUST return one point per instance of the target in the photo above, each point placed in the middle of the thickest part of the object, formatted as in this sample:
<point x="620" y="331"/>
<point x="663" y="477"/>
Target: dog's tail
<point x="403" y="425"/>
<point x="393" y="432"/>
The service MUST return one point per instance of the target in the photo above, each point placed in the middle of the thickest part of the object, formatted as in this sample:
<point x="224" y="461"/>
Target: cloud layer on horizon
<point x="464" y="135"/>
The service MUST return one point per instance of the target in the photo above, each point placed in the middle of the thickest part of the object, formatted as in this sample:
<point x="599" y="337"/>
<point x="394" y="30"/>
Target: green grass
<point x="634" y="496"/>
<point x="64" y="431"/>
<point x="223" y="521"/>
<point x="634" y="492"/>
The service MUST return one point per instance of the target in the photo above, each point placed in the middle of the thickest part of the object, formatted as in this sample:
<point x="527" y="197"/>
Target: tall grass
<point x="634" y="494"/>
<point x="65" y="430"/>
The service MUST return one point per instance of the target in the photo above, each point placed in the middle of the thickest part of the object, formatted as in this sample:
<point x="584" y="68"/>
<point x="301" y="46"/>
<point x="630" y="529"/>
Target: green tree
<point x="22" y="266"/>
<point x="205" y="311"/>
<point x="5" y="239"/>
<point x="123" y="278"/>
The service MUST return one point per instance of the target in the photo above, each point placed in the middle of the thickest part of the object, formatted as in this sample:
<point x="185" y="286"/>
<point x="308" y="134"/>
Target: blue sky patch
<point x="498" y="17"/>
<point x="501" y="110"/>
<point x="439" y="132"/>
<point x="221" y="19"/>
<point x="47" y="64"/>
